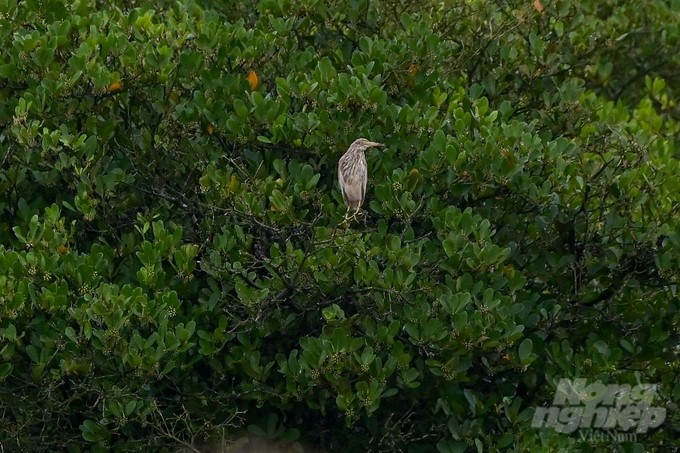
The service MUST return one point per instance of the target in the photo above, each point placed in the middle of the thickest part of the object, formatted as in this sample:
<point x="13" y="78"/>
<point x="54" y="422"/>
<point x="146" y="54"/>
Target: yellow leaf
<point x="114" y="87"/>
<point x="233" y="183"/>
<point x="62" y="249"/>
<point x="413" y="179"/>
<point x="211" y="129"/>
<point x="253" y="79"/>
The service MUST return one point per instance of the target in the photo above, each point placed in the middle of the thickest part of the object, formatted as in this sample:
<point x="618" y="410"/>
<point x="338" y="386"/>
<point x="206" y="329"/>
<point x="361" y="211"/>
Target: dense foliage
<point x="172" y="266"/>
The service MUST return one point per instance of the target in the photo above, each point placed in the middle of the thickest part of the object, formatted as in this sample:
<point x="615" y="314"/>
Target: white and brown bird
<point x="353" y="174"/>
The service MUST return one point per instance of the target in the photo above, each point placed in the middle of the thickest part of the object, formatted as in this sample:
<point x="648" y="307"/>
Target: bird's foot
<point x="356" y="214"/>
<point x="350" y="217"/>
<point x="346" y="220"/>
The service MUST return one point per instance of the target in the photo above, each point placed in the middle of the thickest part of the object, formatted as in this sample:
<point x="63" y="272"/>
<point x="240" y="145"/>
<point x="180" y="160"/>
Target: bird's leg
<point x="346" y="219"/>
<point x="351" y="217"/>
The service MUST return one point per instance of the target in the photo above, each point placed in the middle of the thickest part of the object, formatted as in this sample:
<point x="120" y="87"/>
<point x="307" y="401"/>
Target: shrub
<point x="172" y="266"/>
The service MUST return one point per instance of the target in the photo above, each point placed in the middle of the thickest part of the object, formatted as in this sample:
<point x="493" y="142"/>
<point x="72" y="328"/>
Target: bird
<point x="353" y="174"/>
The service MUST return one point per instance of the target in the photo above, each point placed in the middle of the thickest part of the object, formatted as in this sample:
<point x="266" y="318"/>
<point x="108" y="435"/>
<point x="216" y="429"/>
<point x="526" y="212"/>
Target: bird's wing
<point x="341" y="179"/>
<point x="363" y="179"/>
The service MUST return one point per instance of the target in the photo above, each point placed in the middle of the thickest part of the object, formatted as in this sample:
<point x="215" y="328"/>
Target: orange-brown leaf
<point x="115" y="87"/>
<point x="538" y="6"/>
<point x="253" y="79"/>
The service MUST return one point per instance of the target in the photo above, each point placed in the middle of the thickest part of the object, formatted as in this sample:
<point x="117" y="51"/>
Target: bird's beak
<point x="375" y="145"/>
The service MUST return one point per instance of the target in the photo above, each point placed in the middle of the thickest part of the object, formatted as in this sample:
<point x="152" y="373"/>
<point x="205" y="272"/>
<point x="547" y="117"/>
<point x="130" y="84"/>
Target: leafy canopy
<point x="171" y="266"/>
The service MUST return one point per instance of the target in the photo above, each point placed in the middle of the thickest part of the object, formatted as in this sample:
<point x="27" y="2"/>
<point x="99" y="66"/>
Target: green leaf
<point x="71" y="334"/>
<point x="5" y="370"/>
<point x="389" y="392"/>
<point x="451" y="446"/>
<point x="240" y="109"/>
<point x="525" y="350"/>
<point x="130" y="407"/>
<point x="439" y="140"/>
<point x="658" y="85"/>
